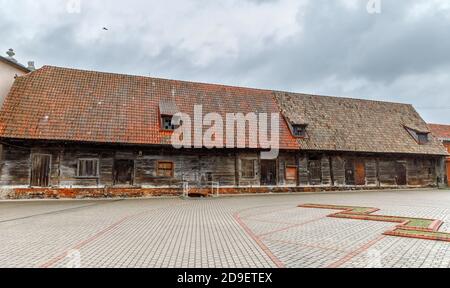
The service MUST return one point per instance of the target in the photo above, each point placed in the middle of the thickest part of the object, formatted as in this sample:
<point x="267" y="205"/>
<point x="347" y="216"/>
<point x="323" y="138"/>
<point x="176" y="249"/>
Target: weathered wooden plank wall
<point x="199" y="167"/>
<point x="371" y="172"/>
<point x="326" y="171"/>
<point x="387" y="173"/>
<point x="338" y="165"/>
<point x="15" y="166"/>
<point x="303" y="170"/>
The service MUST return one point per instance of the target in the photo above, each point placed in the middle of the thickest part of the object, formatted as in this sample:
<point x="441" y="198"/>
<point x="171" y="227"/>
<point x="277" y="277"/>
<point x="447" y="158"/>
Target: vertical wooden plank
<point x="303" y="170"/>
<point x="338" y="167"/>
<point x="326" y="171"/>
<point x="400" y="170"/>
<point x="371" y="172"/>
<point x="315" y="171"/>
<point x="350" y="178"/>
<point x="330" y="166"/>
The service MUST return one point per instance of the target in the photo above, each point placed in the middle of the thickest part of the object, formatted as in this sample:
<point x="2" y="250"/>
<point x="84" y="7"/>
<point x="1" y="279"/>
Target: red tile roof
<point x="440" y="131"/>
<point x="55" y="103"/>
<point x="356" y="125"/>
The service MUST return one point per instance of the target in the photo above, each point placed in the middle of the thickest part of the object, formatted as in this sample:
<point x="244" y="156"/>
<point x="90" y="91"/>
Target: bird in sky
<point x="104" y="28"/>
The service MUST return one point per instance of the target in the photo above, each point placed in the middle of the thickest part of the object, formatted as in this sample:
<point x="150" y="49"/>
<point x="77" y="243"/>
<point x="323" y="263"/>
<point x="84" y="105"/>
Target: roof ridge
<point x="436" y="124"/>
<point x="160" y="78"/>
<point x="15" y="64"/>
<point x="344" y="98"/>
<point x="223" y="85"/>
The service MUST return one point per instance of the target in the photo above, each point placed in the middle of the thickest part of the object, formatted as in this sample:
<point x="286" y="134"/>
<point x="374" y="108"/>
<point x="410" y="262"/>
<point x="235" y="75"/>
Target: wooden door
<point x="400" y="171"/>
<point x="360" y="172"/>
<point x="268" y="172"/>
<point x="349" y="173"/>
<point x="448" y="172"/>
<point x="123" y="172"/>
<point x="40" y="170"/>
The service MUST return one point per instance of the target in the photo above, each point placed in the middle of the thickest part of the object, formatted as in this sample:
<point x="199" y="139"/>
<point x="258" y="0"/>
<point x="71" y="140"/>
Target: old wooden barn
<point x="442" y="133"/>
<point x="74" y="133"/>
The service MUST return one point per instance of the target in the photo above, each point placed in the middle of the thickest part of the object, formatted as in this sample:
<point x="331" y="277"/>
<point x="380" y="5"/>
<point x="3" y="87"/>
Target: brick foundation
<point x="80" y="193"/>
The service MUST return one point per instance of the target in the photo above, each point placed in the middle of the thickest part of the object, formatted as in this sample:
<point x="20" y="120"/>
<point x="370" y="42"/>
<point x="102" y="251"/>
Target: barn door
<point x="448" y="172"/>
<point x="123" y="172"/>
<point x="360" y="173"/>
<point x="40" y="170"/>
<point x="268" y="172"/>
<point x="349" y="173"/>
<point x="400" y="170"/>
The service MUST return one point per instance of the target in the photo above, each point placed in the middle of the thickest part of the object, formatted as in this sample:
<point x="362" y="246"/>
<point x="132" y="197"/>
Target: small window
<point x="166" y="122"/>
<point x="291" y="173"/>
<point x="88" y="168"/>
<point x="248" y="168"/>
<point x="299" y="130"/>
<point x="422" y="138"/>
<point x="165" y="169"/>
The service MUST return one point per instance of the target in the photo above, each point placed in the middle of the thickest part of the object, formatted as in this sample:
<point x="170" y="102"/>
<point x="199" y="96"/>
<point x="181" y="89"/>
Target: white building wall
<point x="7" y="74"/>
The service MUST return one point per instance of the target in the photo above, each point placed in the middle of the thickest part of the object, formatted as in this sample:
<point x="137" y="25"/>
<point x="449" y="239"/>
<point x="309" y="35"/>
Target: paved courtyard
<point x="248" y="231"/>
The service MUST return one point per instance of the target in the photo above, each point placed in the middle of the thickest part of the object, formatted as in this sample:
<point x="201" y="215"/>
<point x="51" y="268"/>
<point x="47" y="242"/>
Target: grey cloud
<point x="338" y="51"/>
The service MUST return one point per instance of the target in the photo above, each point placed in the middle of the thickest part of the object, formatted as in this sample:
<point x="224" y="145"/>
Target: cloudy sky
<point x="327" y="47"/>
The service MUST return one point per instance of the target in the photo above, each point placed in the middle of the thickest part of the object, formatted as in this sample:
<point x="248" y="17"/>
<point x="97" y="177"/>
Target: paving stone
<point x="256" y="231"/>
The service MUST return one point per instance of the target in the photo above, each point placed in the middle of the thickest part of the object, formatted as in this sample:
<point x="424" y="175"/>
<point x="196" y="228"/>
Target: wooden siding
<point x="371" y="172"/>
<point x="15" y="166"/>
<point x="338" y="164"/>
<point x="326" y="171"/>
<point x="303" y="170"/>
<point x="199" y="168"/>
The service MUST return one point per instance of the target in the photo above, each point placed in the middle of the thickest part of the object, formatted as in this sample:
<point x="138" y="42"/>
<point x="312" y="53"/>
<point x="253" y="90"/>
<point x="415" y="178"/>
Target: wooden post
<point x="297" y="163"/>
<point x="236" y="169"/>
<point x="441" y="167"/>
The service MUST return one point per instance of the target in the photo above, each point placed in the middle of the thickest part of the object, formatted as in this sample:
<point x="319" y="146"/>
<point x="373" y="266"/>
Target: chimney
<point x="11" y="54"/>
<point x="31" y="66"/>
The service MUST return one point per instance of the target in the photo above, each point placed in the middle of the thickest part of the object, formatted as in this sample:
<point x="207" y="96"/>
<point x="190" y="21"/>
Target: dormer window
<point x="299" y="131"/>
<point x="168" y="109"/>
<point x="422" y="138"/>
<point x="166" y="123"/>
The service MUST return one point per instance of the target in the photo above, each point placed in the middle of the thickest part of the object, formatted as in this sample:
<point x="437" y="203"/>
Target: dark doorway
<point x="350" y="173"/>
<point x="268" y="172"/>
<point x="360" y="172"/>
<point x="123" y="172"/>
<point x="400" y="171"/>
<point x="40" y="170"/>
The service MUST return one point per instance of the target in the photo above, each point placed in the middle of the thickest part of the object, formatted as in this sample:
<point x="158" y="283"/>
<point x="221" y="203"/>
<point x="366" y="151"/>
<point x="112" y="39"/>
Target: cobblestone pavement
<point x="248" y="231"/>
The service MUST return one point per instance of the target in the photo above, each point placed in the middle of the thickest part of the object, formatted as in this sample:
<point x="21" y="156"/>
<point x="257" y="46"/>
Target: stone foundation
<point x="4" y="193"/>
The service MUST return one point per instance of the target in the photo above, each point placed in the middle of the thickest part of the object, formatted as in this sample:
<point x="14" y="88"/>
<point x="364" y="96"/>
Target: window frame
<point x="416" y="135"/>
<point x="286" y="174"/>
<point x="97" y="171"/>
<point x="162" y="123"/>
<point x="245" y="176"/>
<point x="422" y="141"/>
<point x="302" y="128"/>
<point x="159" y="162"/>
